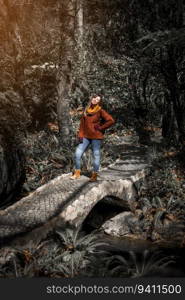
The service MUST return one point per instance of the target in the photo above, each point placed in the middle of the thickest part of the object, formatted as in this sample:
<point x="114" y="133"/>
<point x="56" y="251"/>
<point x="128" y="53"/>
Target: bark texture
<point x="12" y="173"/>
<point x="64" y="76"/>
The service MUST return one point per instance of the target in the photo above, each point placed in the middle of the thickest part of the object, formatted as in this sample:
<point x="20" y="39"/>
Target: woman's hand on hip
<point x="97" y="127"/>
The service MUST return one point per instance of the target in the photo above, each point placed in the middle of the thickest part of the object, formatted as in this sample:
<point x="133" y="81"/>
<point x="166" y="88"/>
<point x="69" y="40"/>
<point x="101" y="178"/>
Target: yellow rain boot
<point x="76" y="174"/>
<point x="94" y="176"/>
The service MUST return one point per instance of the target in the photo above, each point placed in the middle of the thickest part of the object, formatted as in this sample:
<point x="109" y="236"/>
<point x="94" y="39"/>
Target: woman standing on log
<point x="92" y="125"/>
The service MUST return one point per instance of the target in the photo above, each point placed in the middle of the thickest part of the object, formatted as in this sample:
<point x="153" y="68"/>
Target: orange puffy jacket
<point x="89" y="122"/>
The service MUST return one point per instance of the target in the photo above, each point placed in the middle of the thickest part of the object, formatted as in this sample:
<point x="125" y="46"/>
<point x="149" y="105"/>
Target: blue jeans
<point x="96" y="153"/>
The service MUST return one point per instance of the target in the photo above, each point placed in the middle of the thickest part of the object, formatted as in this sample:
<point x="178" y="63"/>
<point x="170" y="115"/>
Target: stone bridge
<point x="63" y="201"/>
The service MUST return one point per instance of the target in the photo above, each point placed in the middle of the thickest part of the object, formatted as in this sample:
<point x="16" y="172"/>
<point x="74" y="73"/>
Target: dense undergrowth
<point x="162" y="199"/>
<point x="70" y="253"/>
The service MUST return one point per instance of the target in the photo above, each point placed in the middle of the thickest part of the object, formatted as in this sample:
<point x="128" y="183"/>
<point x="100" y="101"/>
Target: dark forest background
<point x="55" y="53"/>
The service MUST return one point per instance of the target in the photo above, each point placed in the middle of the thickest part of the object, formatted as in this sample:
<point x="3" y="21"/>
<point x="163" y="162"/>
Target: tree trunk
<point x="11" y="13"/>
<point x="81" y="59"/>
<point x="180" y="117"/>
<point x="12" y="171"/>
<point x="169" y="126"/>
<point x="178" y="107"/>
<point x="79" y="21"/>
<point x="170" y="72"/>
<point x="71" y="70"/>
<point x="64" y="76"/>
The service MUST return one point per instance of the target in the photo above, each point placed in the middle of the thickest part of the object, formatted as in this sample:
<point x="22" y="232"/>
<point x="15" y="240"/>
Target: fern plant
<point x="73" y="254"/>
<point x="136" y="266"/>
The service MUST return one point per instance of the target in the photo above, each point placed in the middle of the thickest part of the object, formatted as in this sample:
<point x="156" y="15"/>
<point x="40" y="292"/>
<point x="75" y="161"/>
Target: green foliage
<point x="13" y="115"/>
<point x="127" y="51"/>
<point x="163" y="200"/>
<point x="148" y="264"/>
<point x="68" y="255"/>
<point x="45" y="158"/>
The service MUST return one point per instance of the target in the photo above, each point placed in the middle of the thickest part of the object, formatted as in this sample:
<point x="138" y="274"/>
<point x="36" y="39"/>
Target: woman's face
<point x="95" y="100"/>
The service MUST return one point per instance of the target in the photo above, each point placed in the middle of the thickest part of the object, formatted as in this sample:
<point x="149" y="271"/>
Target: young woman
<point x="92" y="125"/>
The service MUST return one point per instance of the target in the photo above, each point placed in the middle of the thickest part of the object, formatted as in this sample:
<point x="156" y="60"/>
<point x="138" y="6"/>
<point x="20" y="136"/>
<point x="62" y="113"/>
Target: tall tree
<point x="72" y="65"/>
<point x="64" y="76"/>
<point x="10" y="13"/>
<point x="167" y="39"/>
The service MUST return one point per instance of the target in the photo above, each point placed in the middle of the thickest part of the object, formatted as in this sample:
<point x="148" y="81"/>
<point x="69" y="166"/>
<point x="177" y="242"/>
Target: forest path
<point x="63" y="200"/>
